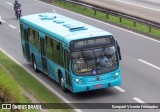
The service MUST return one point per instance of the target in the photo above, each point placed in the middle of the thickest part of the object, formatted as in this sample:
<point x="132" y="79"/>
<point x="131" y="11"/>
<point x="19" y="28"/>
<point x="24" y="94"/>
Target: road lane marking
<point x="9" y="3"/>
<point x="138" y="100"/>
<point x="3" y="21"/>
<point x="18" y="30"/>
<point x="12" y="26"/>
<point x="137" y="5"/>
<point x="130" y="31"/>
<point x="120" y="89"/>
<point x="154" y="66"/>
<point x="41" y="81"/>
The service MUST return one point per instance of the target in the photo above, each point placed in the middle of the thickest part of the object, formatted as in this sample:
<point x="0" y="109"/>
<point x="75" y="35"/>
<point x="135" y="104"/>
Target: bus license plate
<point x="98" y="86"/>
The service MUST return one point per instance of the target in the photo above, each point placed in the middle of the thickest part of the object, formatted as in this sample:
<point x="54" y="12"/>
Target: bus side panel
<point x="23" y="49"/>
<point x="37" y="55"/>
<point x="34" y="52"/>
<point x="51" y="71"/>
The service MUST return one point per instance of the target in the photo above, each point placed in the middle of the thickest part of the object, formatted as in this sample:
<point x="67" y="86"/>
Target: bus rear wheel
<point x="34" y="64"/>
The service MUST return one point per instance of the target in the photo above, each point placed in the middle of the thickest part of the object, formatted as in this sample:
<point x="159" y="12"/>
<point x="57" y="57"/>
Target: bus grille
<point x="97" y="78"/>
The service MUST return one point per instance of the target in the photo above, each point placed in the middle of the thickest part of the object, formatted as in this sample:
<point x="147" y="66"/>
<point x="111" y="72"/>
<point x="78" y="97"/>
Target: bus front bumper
<point x="96" y="85"/>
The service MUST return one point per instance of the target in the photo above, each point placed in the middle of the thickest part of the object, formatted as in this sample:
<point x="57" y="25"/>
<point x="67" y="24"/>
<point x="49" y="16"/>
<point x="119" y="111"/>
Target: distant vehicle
<point x="17" y="9"/>
<point x="18" y="13"/>
<point x="78" y="56"/>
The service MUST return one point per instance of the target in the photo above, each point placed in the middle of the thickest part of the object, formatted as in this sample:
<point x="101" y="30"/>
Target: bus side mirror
<point x="119" y="52"/>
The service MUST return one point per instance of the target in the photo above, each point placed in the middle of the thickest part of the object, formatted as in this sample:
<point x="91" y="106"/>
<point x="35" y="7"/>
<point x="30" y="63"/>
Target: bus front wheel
<point x="61" y="80"/>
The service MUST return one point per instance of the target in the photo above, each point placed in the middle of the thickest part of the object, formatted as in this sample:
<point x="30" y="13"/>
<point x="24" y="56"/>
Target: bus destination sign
<point x="92" y="42"/>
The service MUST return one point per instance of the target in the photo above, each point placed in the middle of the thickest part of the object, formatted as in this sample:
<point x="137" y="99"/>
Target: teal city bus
<point x="78" y="56"/>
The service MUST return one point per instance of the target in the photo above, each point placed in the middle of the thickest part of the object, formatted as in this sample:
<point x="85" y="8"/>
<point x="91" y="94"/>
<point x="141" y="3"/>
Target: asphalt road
<point x="140" y="65"/>
<point x="148" y="4"/>
<point x="147" y="9"/>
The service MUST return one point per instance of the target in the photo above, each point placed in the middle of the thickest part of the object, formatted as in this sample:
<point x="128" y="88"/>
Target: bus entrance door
<point x="43" y="55"/>
<point x="67" y="69"/>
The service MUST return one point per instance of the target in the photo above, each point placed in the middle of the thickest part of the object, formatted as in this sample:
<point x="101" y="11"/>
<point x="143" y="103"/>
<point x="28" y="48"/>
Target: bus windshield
<point x="94" y="61"/>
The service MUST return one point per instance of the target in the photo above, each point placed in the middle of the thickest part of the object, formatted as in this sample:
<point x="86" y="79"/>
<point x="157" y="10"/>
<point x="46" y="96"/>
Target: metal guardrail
<point x="121" y="15"/>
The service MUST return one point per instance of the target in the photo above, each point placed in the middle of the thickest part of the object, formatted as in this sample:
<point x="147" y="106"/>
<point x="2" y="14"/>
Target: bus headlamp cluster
<point x="77" y="80"/>
<point x="115" y="75"/>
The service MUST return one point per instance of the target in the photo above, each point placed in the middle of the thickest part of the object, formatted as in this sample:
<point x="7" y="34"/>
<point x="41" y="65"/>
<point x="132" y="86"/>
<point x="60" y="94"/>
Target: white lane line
<point x="154" y="66"/>
<point x="138" y="100"/>
<point x="137" y="5"/>
<point x="9" y="3"/>
<point x="12" y="26"/>
<point x="41" y="81"/>
<point x="44" y="3"/>
<point x="3" y="21"/>
<point x="18" y="30"/>
<point x="146" y="37"/>
<point x="120" y="89"/>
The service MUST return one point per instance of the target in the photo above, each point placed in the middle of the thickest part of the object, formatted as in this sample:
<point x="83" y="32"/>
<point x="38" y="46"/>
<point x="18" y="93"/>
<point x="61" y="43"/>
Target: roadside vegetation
<point x="10" y="91"/>
<point x="108" y="18"/>
<point x="13" y="78"/>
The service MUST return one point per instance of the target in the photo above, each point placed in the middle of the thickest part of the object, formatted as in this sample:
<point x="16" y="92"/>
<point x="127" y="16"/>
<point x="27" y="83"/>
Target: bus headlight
<point x="115" y="75"/>
<point x="78" y="81"/>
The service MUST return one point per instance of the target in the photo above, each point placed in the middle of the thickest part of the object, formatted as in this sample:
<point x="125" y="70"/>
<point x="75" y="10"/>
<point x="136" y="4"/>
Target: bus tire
<point x="34" y="64"/>
<point x="61" y="81"/>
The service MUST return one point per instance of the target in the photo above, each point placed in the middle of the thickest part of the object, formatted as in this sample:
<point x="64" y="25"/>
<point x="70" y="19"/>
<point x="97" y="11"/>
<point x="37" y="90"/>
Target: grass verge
<point x="28" y="83"/>
<point x="10" y="91"/>
<point x="108" y="18"/>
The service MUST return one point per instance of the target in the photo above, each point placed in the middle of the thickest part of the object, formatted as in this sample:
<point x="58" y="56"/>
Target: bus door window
<point x="66" y="65"/>
<point x="49" y="54"/>
<point x="60" y="54"/>
<point x="42" y="46"/>
<point x="66" y="59"/>
<point x="43" y="54"/>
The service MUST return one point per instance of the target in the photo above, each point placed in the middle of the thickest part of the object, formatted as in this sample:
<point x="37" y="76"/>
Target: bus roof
<point x="61" y="27"/>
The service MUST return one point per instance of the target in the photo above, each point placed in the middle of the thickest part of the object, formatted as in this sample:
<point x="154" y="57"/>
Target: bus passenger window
<point x="22" y="31"/>
<point x="58" y="46"/>
<point x="37" y="40"/>
<point x="31" y="33"/>
<point x="61" y="54"/>
<point x="51" y="43"/>
<point x="49" y="48"/>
